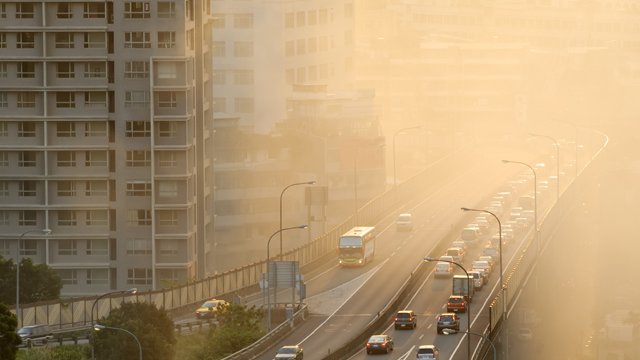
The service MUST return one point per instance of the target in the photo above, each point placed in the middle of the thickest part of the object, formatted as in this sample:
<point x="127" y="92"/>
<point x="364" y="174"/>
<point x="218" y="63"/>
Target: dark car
<point x="456" y="303"/>
<point x="379" y="343"/>
<point x="32" y="334"/>
<point x="448" y="321"/>
<point x="405" y="319"/>
<point x="290" y="352"/>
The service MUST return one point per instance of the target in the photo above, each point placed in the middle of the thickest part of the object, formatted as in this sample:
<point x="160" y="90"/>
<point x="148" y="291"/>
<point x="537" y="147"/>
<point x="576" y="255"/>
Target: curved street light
<point x="493" y="346"/>
<point x="42" y="231"/>
<point x="128" y="291"/>
<point x="98" y="327"/>
<point x="557" y="145"/>
<point x="394" y="148"/>
<point x="535" y="196"/>
<point x="268" y="272"/>
<point x="469" y="284"/>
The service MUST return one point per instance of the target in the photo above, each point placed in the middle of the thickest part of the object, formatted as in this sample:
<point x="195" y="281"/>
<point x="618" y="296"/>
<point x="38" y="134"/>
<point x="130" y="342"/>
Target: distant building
<point x="619" y="338"/>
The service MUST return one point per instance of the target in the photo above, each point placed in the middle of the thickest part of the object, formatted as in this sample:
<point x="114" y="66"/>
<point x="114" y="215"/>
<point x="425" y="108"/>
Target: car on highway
<point x="428" y="352"/>
<point x="210" y="308"/>
<point x="482" y="264"/>
<point x="33" y="334"/>
<point x="290" y="352"/>
<point x="456" y="303"/>
<point x="478" y="279"/>
<point x="443" y="269"/>
<point x="456" y="253"/>
<point x="404" y="222"/>
<point x="405" y="319"/>
<point x="460" y="244"/>
<point x="470" y="234"/>
<point x="379" y="343"/>
<point x="448" y="321"/>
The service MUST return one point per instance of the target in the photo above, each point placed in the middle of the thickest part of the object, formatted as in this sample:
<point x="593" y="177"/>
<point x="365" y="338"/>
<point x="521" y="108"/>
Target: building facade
<point x="105" y="139"/>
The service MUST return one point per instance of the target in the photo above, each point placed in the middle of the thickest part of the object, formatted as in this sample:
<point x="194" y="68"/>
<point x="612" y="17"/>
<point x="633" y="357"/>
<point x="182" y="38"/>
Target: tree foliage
<point x="9" y="339"/>
<point x="238" y="327"/>
<point x="64" y="352"/>
<point x="152" y="326"/>
<point x="37" y="282"/>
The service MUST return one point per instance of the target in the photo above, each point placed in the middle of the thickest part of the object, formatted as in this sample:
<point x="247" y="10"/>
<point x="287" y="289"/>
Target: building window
<point x="26" y="100"/>
<point x="27" y="129"/>
<point x="167" y="70"/>
<point x="166" y="9"/>
<point x="65" y="70"/>
<point x="95" y="129"/>
<point x="219" y="77"/>
<point x="136" y="10"/>
<point x="29" y="247"/>
<point x="97" y="247"/>
<point x="97" y="277"/>
<point x="68" y="276"/>
<point x="139" y="217"/>
<point x="138" y="158"/>
<point x="95" y="40"/>
<point x="219" y="49"/>
<point x="167" y="159"/>
<point x="167" y="188"/>
<point x="96" y="218"/>
<point x="219" y="104"/>
<point x="3" y="68"/>
<point x="167" y="99"/>
<point x="67" y="218"/>
<point x="65" y="129"/>
<point x="4" y="128"/>
<point x="137" y="40"/>
<point x="138" y="129"/>
<point x="24" y="10"/>
<point x="243" y="21"/>
<point x="65" y="99"/>
<point x="94" y="10"/>
<point x="3" y="10"/>
<point x="67" y="247"/>
<point x="95" y="70"/>
<point x="4" y="188"/>
<point x="4" y="218"/>
<point x="66" y="159"/>
<point x="4" y="101"/>
<point x="66" y="188"/>
<point x="64" y="40"/>
<point x="26" y="70"/>
<point x="4" y="159"/>
<point x="167" y="129"/>
<point x="168" y="247"/>
<point x="95" y="99"/>
<point x="95" y="158"/>
<point x="27" y="218"/>
<point x="27" y="188"/>
<point x="3" y="40"/>
<point x="95" y="188"/>
<point x="136" y="99"/>
<point x="166" y="39"/>
<point x="243" y="77"/>
<point x="243" y="48"/>
<point x="27" y="159"/>
<point x="244" y="105"/>
<point x="139" y="276"/>
<point x="136" y="70"/>
<point x="167" y="217"/>
<point x="26" y="40"/>
<point x="64" y="11"/>
<point x="138" y="246"/>
<point x="139" y="188"/>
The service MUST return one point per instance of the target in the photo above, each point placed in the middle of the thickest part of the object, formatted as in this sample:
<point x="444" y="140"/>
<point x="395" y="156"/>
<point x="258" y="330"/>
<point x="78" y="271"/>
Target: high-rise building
<point x="106" y="139"/>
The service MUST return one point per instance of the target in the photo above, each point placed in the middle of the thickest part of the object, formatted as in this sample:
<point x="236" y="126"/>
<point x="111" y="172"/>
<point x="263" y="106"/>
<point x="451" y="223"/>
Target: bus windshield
<point x="350" y="241"/>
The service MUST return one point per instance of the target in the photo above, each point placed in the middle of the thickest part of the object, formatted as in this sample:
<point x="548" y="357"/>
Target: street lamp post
<point x="485" y="338"/>
<point x="394" y="148"/>
<point x="557" y="145"/>
<point x="469" y="285"/>
<point x="535" y="195"/>
<point x="43" y="231"/>
<point x="128" y="291"/>
<point x="98" y="327"/>
<point x="502" y="285"/>
<point x="281" y="194"/>
<point x="268" y="271"/>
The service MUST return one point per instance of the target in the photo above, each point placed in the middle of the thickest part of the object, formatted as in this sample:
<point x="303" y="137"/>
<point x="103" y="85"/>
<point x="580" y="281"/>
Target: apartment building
<point x="105" y="139"/>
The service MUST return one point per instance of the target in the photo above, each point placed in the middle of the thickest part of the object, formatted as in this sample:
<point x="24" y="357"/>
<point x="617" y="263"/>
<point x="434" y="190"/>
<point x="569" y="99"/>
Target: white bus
<point x="357" y="246"/>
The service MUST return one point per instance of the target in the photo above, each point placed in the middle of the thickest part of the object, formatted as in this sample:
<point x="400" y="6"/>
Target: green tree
<point x="152" y="326"/>
<point x="238" y="327"/>
<point x="9" y="339"/>
<point x="37" y="282"/>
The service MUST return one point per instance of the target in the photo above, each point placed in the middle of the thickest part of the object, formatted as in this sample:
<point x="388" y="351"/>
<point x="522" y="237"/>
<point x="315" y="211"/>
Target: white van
<point x="456" y="253"/>
<point x="404" y="222"/>
<point x="443" y="269"/>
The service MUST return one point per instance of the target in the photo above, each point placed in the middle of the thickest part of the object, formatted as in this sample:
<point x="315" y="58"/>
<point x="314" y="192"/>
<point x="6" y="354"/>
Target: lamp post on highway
<point x="394" y="148"/>
<point x="98" y="327"/>
<point x="268" y="271"/>
<point x="469" y="285"/>
<point x="485" y="338"/>
<point x="557" y="145"/>
<point x="42" y="231"/>
<point x="535" y="196"/>
<point x="281" y="194"/>
<point x="502" y="284"/>
<point x="128" y="291"/>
